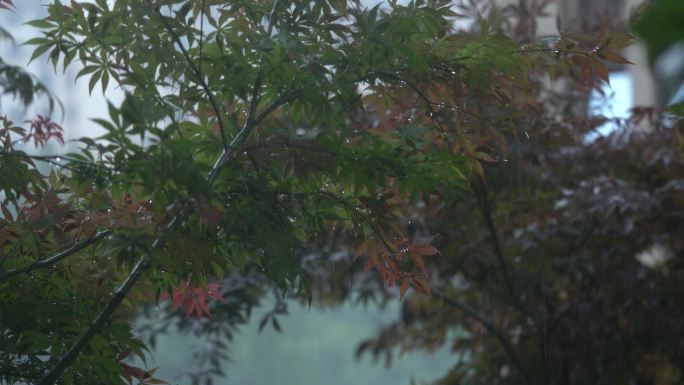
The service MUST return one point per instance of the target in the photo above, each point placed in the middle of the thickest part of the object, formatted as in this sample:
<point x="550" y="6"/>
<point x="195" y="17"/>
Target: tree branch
<point x="431" y="104"/>
<point x="198" y="74"/>
<point x="250" y="123"/>
<point x="51" y="260"/>
<point x="65" y="360"/>
<point x="103" y="317"/>
<point x="480" y="191"/>
<point x="503" y="341"/>
<point x="246" y="129"/>
<point x="268" y="110"/>
<point x="144" y="260"/>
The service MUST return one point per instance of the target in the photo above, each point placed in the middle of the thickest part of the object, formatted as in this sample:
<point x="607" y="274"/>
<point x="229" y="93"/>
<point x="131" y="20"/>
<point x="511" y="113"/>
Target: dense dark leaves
<point x="591" y="237"/>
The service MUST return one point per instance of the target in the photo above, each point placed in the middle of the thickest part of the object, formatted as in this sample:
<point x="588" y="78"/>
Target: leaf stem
<point x="198" y="74"/>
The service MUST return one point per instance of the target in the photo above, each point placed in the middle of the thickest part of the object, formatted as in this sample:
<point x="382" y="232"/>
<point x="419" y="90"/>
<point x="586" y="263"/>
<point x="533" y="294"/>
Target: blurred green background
<point x="316" y="347"/>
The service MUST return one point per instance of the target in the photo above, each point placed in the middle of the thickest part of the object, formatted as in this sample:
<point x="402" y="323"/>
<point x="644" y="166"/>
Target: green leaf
<point x="41" y="49"/>
<point x="41" y="24"/>
<point x="93" y="81"/>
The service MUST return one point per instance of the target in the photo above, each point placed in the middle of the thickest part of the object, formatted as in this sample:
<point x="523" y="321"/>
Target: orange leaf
<point x="422" y="285"/>
<point x="418" y="261"/>
<point x="601" y="71"/>
<point x="613" y="57"/>
<point x="371" y="263"/>
<point x="133" y="371"/>
<point x="123" y="355"/>
<point x="423" y="246"/>
<point x="361" y="250"/>
<point x="383" y="272"/>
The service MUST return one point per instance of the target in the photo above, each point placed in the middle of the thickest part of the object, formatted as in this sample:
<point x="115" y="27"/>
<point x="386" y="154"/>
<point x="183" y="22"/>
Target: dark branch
<point x="268" y="110"/>
<point x="66" y="359"/>
<point x="480" y="192"/>
<point x="144" y="260"/>
<point x="51" y="260"/>
<point x="251" y="121"/>
<point x="503" y="341"/>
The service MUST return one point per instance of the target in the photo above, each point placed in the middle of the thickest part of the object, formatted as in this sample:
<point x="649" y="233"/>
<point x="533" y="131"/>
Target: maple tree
<point x="251" y="135"/>
<point x="564" y="266"/>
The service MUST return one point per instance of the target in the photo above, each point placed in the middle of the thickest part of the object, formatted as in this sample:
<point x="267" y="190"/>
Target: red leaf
<point x="392" y="279"/>
<point x="194" y="299"/>
<point x="188" y="305"/>
<point x="418" y="260"/>
<point x="422" y="285"/>
<point x="423" y="246"/>
<point x="404" y="287"/>
<point x="371" y="263"/>
<point x="43" y="129"/>
<point x="132" y="371"/>
<point x="212" y="291"/>
<point x="123" y="355"/>
<point x="613" y="57"/>
<point x="178" y="298"/>
<point x="361" y="250"/>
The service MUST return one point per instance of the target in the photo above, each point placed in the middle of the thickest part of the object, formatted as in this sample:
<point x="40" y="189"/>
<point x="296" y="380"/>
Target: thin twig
<point x="552" y="50"/>
<point x="51" y="260"/>
<point x="66" y="359"/>
<point x="503" y="341"/>
<point x="144" y="260"/>
<point x="283" y="100"/>
<point x="480" y="191"/>
<point x="198" y="75"/>
<point x="251" y="121"/>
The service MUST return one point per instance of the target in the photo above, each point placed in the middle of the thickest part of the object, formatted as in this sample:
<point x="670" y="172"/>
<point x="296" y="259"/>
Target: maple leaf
<point x="193" y="299"/>
<point x="131" y="372"/>
<point x="6" y="4"/>
<point x="419" y="248"/>
<point x="43" y="129"/>
<point x="209" y="214"/>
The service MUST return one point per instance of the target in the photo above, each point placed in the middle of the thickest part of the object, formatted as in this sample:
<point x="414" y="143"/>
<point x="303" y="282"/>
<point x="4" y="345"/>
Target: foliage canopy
<point x="255" y="139"/>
